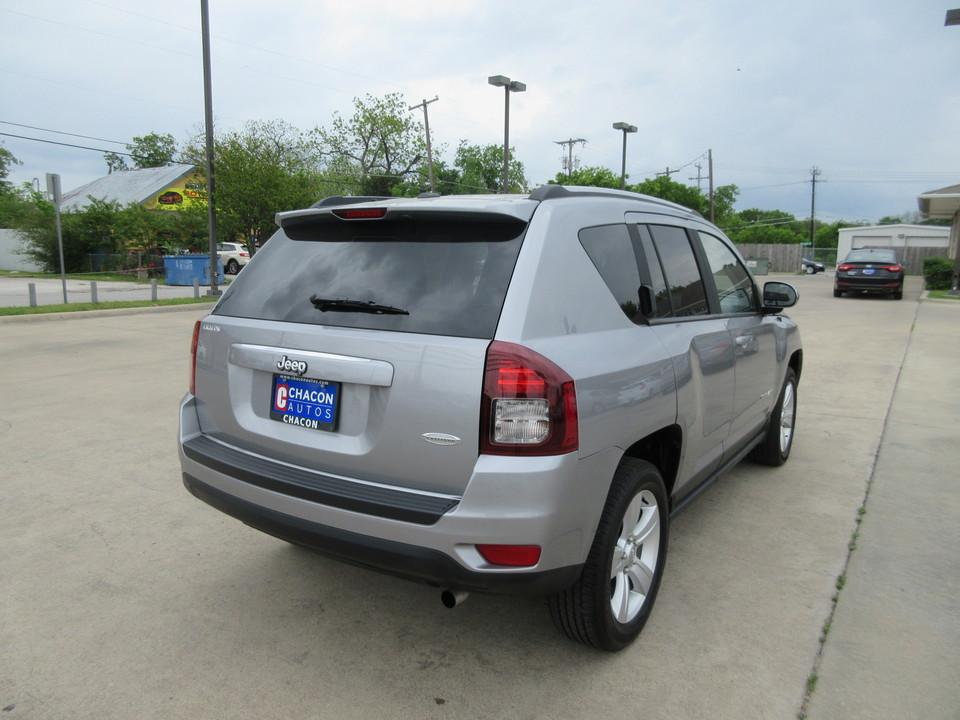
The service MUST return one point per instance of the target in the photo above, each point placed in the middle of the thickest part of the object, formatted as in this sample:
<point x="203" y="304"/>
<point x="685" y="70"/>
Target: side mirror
<point x="779" y="295"/>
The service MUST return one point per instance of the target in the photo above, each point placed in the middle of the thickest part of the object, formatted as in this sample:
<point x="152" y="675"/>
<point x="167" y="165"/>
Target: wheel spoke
<point x="648" y="525"/>
<point x="641" y="576"/>
<point x="620" y="600"/>
<point x="631" y="518"/>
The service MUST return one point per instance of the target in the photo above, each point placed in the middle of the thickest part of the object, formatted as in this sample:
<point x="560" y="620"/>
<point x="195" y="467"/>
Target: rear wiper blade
<point x="339" y="305"/>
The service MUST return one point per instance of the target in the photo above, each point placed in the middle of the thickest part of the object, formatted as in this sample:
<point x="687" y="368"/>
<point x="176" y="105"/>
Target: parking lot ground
<point x="124" y="597"/>
<point x="893" y="650"/>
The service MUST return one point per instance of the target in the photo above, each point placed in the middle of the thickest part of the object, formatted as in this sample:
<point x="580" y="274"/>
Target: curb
<point x="86" y="314"/>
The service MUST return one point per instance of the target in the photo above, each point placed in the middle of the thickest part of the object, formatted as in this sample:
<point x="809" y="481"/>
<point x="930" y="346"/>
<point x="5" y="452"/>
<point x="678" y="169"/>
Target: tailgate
<point x="403" y="410"/>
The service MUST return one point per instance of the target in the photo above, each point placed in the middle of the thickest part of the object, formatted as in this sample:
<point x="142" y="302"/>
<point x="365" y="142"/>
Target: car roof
<point x="520" y="206"/>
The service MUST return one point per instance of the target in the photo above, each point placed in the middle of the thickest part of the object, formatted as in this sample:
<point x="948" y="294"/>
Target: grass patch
<point x="92" y="277"/>
<point x="942" y="295"/>
<point x="82" y="306"/>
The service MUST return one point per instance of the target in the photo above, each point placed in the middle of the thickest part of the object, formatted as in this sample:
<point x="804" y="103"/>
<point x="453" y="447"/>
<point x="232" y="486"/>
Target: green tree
<point x="379" y="147"/>
<point x="7" y="161"/>
<point x="85" y="233"/>
<point x="481" y="169"/>
<point x="11" y="199"/>
<point x="588" y="177"/>
<point x="666" y="189"/>
<point x="266" y="168"/>
<point x="755" y="226"/>
<point x="146" y="151"/>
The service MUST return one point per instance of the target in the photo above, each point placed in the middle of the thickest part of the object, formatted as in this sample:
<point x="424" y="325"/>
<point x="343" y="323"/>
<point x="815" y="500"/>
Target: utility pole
<point x="53" y="188"/>
<point x="710" y="173"/>
<point x="568" y="162"/>
<point x="668" y="172"/>
<point x="814" y="174"/>
<point x="426" y="124"/>
<point x="699" y="177"/>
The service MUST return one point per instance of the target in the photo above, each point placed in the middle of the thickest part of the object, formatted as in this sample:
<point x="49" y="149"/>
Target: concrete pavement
<point x="122" y="596"/>
<point x="893" y="647"/>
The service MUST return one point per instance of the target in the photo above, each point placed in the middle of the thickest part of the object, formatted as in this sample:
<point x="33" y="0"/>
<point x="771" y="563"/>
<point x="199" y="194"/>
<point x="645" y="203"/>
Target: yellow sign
<point x="188" y="191"/>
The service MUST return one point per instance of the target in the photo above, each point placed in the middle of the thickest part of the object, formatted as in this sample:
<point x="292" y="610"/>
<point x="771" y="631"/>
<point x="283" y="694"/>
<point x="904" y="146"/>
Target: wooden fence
<point x="786" y="258"/>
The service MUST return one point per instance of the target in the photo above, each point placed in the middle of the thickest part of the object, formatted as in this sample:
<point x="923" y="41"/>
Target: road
<point x="124" y="597"/>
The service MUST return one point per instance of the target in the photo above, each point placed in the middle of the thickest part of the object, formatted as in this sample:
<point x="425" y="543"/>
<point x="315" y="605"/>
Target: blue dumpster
<point x="184" y="269"/>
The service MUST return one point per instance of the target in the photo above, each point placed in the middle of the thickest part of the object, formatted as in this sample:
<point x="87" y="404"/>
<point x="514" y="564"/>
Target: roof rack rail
<point x="554" y="192"/>
<point x="334" y="200"/>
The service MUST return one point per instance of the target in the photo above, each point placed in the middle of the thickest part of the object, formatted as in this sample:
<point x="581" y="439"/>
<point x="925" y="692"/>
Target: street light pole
<point x="627" y="128"/>
<point x="508" y="86"/>
<point x="208" y="123"/>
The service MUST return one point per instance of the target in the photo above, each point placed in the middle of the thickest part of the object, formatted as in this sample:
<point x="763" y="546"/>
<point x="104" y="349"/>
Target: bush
<point x="938" y="272"/>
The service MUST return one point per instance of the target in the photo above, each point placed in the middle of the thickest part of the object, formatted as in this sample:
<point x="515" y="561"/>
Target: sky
<point x="865" y="91"/>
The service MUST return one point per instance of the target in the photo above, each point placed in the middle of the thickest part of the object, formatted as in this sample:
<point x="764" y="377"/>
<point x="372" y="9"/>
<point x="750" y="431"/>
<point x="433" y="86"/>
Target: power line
<point x="60" y="132"/>
<point x="54" y="142"/>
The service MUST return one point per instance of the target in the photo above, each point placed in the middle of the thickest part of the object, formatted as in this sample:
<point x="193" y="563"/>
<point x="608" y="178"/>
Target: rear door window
<point x="680" y="270"/>
<point x="444" y="276"/>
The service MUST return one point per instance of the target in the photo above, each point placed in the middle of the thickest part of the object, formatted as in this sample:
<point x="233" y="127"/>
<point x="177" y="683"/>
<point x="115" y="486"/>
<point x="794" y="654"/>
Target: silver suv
<point x="503" y="393"/>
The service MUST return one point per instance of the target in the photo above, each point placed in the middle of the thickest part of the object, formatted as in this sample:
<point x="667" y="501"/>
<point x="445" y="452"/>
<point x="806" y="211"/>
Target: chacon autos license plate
<point x="305" y="402"/>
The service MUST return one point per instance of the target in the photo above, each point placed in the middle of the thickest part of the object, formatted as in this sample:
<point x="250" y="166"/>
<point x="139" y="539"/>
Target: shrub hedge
<point x="938" y="272"/>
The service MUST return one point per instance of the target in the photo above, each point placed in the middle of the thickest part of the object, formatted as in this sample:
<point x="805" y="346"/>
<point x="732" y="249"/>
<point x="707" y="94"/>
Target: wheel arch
<point x="796" y="362"/>
<point x="662" y="449"/>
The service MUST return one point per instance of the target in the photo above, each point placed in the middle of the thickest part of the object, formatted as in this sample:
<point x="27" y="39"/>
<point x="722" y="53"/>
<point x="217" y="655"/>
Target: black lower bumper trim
<point x="393" y="558"/>
<point x="317" y="487"/>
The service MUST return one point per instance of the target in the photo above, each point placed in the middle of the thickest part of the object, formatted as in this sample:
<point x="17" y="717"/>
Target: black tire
<point x="810" y="270"/>
<point x="624" y="565"/>
<point x="778" y="441"/>
<point x="837" y="293"/>
<point x="233" y="267"/>
<point x="898" y="294"/>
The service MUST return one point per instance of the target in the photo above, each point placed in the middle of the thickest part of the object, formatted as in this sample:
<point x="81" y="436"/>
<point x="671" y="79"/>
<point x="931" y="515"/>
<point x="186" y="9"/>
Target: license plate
<point x="868" y="271"/>
<point x="305" y="402"/>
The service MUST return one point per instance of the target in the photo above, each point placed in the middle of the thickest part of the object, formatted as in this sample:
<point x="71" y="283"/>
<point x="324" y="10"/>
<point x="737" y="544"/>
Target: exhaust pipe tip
<point x="451" y="597"/>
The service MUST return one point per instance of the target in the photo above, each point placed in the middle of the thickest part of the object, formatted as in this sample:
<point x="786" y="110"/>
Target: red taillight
<point x="529" y="404"/>
<point x="193" y="357"/>
<point x="514" y="380"/>
<point x="361" y="213"/>
<point x="244" y="254"/>
<point x="844" y="268"/>
<point x="512" y="555"/>
<point x="893" y="268"/>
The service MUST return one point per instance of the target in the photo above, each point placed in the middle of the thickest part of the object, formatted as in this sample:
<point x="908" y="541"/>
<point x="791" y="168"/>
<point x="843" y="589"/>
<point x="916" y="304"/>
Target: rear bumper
<point x="552" y="502"/>
<point x="393" y="558"/>
<point x="860" y="285"/>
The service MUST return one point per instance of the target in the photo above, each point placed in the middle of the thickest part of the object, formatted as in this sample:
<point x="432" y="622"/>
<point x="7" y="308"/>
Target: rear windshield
<point x="877" y="256"/>
<point x="421" y="275"/>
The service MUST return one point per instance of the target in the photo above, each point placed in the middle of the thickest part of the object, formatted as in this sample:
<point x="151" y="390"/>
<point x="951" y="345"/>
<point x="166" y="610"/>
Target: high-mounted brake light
<point x="360" y="213"/>
<point x="529" y="404"/>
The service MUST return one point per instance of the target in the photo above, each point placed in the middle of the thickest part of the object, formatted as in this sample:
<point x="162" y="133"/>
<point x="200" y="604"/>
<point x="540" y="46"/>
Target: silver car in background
<point x="501" y="393"/>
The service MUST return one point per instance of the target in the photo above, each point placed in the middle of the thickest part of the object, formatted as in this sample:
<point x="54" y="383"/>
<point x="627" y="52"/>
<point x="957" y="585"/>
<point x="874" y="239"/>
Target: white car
<point x="233" y="256"/>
